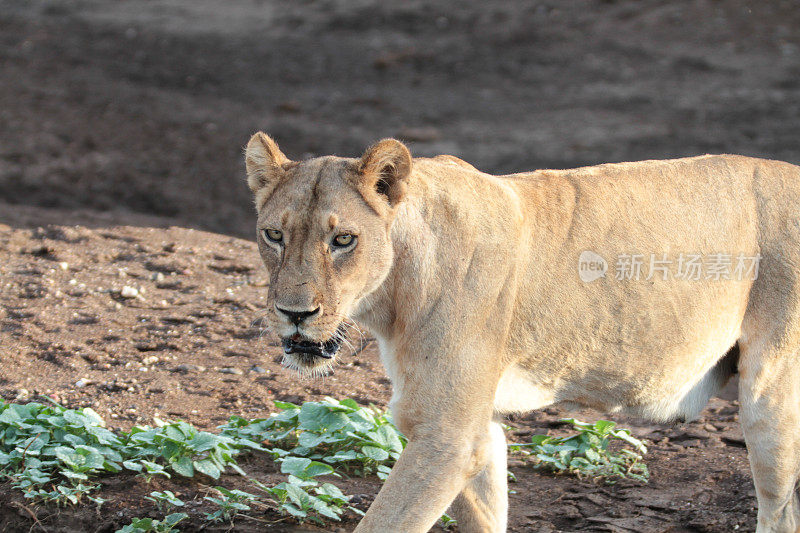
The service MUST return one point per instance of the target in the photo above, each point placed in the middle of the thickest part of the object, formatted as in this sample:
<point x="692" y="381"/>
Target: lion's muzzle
<point x="326" y="350"/>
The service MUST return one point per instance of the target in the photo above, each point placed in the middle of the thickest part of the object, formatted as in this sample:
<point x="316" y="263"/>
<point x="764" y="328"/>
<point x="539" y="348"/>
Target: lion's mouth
<point x="296" y="344"/>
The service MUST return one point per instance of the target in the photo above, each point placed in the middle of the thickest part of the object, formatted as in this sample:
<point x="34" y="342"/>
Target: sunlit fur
<point x="469" y="282"/>
<point x="312" y="202"/>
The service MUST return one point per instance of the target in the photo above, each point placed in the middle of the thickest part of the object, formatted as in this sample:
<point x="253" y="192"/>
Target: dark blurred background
<point x="140" y="108"/>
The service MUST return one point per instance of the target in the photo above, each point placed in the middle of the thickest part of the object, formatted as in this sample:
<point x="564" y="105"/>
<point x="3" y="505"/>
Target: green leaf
<point x="325" y="510"/>
<point x="386" y="437"/>
<point x="318" y="417"/>
<point x="538" y="440"/>
<point x="294" y="511"/>
<point x="341" y="456"/>
<point x="208" y="468"/>
<point x="73" y="475"/>
<point x="298" y="496"/>
<point x="295" y="466"/>
<point x="318" y="469"/>
<point x="10" y="416"/>
<point x="183" y="466"/>
<point x="593" y="456"/>
<point x="603" y="426"/>
<point x="174" y="518"/>
<point x="204" y="441"/>
<point x="92" y="417"/>
<point x="308" y="439"/>
<point x="132" y="465"/>
<point x="376" y="454"/>
<point x="626" y="436"/>
<point x="329" y="489"/>
<point x="348" y="402"/>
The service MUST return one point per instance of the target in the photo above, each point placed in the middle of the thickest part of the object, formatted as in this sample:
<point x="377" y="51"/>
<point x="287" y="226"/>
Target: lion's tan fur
<point x="470" y="284"/>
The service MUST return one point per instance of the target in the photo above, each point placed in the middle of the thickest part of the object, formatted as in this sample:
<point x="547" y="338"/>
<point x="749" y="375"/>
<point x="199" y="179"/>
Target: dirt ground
<point x="189" y="346"/>
<point x="145" y="105"/>
<point x="134" y="112"/>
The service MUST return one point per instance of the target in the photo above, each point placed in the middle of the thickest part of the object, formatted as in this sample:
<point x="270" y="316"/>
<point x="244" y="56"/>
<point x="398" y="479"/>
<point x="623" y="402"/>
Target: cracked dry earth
<point x="141" y="323"/>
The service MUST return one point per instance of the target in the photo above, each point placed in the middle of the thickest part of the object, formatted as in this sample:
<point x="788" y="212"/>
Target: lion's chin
<point x="308" y="366"/>
<point x="311" y="358"/>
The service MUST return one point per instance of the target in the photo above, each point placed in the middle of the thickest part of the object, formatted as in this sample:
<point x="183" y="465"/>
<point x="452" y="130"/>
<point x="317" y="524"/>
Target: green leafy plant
<point x="320" y="439"/>
<point x="230" y="502"/>
<point x="351" y="438"/>
<point x="48" y="446"/>
<point x="180" y="448"/>
<point x="303" y="497"/>
<point x="63" y="494"/>
<point x="589" y="452"/>
<point x="149" y="525"/>
<point x="447" y="522"/>
<point x="52" y="453"/>
<point x="164" y="500"/>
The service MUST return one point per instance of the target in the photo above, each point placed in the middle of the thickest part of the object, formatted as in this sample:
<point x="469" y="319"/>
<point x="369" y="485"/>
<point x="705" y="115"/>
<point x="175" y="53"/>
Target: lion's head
<point x="323" y="233"/>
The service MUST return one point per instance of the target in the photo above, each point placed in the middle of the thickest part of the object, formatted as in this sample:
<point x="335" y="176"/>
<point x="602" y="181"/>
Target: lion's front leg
<point x="449" y="445"/>
<point x="482" y="505"/>
<point x="421" y="486"/>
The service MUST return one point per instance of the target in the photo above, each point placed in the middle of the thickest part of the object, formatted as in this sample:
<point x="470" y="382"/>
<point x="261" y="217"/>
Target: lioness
<point x="484" y="301"/>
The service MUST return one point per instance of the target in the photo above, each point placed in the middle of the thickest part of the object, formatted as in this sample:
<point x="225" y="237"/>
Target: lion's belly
<point x="676" y="385"/>
<point x="670" y="400"/>
<point x="517" y="392"/>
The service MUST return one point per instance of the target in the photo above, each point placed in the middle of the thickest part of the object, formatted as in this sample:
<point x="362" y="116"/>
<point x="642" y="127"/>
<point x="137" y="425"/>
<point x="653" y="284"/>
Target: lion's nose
<point x="297" y="316"/>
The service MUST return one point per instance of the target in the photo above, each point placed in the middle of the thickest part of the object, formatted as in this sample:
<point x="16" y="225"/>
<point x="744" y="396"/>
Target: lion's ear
<point x="265" y="164"/>
<point x="385" y="168"/>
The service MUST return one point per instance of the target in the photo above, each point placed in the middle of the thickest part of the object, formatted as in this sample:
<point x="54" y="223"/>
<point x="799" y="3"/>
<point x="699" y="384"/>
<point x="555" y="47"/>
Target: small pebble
<point x="188" y="368"/>
<point x="63" y="265"/>
<point x="231" y="370"/>
<point x="81" y="383"/>
<point x="128" y="292"/>
<point x="258" y="369"/>
<point x="22" y="395"/>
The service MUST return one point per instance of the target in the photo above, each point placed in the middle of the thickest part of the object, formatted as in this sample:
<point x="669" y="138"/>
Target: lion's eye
<point x="273" y="235"/>
<point x="344" y="240"/>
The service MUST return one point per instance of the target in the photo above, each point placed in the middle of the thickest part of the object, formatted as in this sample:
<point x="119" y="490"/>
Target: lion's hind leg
<point x="482" y="506"/>
<point x="769" y="395"/>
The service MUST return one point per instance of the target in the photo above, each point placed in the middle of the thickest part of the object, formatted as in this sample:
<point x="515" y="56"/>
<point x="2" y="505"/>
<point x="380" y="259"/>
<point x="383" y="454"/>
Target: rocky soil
<point x="145" y="105"/>
<point x="140" y="323"/>
<point x="127" y="118"/>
